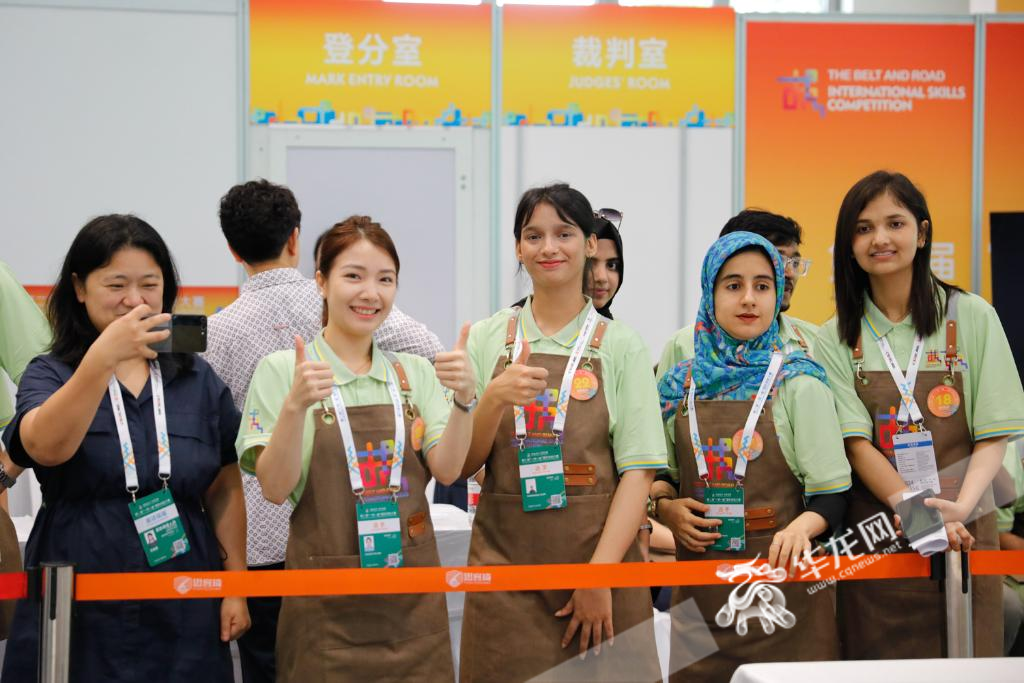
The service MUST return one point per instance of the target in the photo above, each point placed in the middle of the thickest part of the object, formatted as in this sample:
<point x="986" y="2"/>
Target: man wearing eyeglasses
<point x="785" y="234"/>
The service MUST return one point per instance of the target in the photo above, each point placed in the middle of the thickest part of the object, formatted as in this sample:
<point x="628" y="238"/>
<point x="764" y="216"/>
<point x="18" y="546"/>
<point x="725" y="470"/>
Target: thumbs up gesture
<point x="454" y="369"/>
<point x="312" y="381"/>
<point x="521" y="382"/>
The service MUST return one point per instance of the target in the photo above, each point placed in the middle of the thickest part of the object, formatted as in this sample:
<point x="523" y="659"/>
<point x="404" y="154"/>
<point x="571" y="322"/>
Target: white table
<point x="989" y="670"/>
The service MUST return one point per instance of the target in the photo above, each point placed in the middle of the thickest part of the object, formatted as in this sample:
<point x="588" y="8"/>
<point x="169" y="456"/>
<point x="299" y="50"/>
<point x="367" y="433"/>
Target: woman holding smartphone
<point x="351" y="436"/>
<point x="918" y="367"/>
<point x="118" y="437"/>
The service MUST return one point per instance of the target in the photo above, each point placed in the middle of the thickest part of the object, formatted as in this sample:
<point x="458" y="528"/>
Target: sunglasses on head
<point x="613" y="216"/>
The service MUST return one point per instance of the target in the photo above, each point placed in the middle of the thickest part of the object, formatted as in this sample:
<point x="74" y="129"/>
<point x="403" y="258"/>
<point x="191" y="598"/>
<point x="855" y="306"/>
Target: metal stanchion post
<point x="58" y="581"/>
<point x="959" y="617"/>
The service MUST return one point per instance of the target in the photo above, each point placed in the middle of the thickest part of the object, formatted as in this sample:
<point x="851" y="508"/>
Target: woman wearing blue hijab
<point x="758" y="468"/>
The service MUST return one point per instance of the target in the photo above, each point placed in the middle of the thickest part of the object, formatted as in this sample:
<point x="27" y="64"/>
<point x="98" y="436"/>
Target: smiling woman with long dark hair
<point x="893" y="317"/>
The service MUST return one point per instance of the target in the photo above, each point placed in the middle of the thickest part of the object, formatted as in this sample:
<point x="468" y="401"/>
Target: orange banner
<point x="1004" y="133"/>
<point x="165" y="585"/>
<point x="828" y="103"/>
<point x="356" y="62"/>
<point x="607" y="65"/>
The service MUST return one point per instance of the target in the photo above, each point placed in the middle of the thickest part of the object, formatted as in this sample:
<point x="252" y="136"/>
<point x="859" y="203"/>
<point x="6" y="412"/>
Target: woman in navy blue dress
<point x="116" y="281"/>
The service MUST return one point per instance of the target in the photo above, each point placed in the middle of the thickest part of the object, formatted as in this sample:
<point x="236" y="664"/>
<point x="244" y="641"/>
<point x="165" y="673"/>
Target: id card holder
<point x="380" y="534"/>
<point x="726" y="503"/>
<point x="159" y="527"/>
<point x="915" y="460"/>
<point x="542" y="478"/>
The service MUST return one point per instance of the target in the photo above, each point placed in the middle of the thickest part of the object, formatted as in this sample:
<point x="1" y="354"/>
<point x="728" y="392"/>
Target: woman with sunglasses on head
<point x="568" y="429"/>
<point x="604" y="277"/>
<point x="351" y="435"/>
<point x="754" y="433"/>
<point x="133" y="451"/>
<point x="914" y="360"/>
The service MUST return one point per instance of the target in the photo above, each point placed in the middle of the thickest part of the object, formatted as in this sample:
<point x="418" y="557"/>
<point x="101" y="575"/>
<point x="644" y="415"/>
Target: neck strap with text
<point x="163" y="444"/>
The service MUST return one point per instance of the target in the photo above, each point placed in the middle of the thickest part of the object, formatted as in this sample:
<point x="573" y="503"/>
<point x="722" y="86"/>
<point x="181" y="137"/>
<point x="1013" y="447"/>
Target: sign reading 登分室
<point x="607" y="65"/>
<point x="357" y="62"/>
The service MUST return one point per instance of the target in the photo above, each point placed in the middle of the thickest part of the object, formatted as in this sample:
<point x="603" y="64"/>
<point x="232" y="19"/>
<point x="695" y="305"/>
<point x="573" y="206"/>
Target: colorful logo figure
<point x="254" y="421"/>
<point x="720" y="459"/>
<point x="801" y="91"/>
<point x="754" y="598"/>
<point x="540" y="415"/>
<point x="375" y="468"/>
<point x="887" y="427"/>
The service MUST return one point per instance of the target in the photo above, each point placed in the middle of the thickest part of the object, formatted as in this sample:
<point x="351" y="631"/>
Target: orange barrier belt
<point x="309" y="582"/>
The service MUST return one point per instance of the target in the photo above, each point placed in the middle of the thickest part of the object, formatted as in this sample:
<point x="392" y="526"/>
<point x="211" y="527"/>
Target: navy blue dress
<point x="85" y="520"/>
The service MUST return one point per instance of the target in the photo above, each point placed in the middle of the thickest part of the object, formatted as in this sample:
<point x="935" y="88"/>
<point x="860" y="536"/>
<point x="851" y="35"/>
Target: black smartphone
<point x="917" y="519"/>
<point x="188" y="335"/>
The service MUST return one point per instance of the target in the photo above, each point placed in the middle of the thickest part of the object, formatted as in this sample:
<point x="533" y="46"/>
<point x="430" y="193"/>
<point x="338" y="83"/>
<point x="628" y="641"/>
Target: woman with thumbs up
<point x="568" y="430"/>
<point x="351" y="435"/>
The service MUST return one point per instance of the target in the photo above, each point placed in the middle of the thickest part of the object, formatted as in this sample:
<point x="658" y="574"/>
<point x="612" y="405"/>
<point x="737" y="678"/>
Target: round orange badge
<point x="419" y="427"/>
<point x="756" y="444"/>
<point x="943" y="401"/>
<point x="584" y="385"/>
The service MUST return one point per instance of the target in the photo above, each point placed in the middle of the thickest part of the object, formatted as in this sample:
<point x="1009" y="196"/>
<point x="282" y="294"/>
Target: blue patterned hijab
<point x="723" y="367"/>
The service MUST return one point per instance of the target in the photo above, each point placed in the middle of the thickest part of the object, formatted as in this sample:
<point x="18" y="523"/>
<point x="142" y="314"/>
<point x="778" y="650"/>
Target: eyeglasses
<point x="798" y="264"/>
<point x="613" y="216"/>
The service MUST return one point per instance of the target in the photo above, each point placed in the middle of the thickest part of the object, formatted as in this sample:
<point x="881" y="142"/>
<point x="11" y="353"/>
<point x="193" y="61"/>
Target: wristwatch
<point x="464" y="407"/>
<point x="6" y="480"/>
<point x="652" y="505"/>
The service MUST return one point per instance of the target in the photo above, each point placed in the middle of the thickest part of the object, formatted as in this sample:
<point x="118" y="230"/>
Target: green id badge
<point x="159" y="527"/>
<point x="380" y="534"/>
<point x="726" y="504"/>
<point x="542" y="478"/>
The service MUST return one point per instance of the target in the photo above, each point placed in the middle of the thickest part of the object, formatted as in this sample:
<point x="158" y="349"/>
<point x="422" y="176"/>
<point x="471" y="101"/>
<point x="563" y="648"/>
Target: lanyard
<point x="355" y="477"/>
<point x="909" y="409"/>
<point x="565" y="391"/>
<point x="163" y="444"/>
<point x="767" y="384"/>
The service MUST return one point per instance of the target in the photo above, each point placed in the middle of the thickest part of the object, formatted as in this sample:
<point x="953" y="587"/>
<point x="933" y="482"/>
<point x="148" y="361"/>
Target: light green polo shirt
<point x="1012" y="464"/>
<point x="634" y="423"/>
<point x="273" y="380"/>
<point x="680" y="345"/>
<point x="993" y="400"/>
<point x="806" y="424"/>
<point x="24" y="334"/>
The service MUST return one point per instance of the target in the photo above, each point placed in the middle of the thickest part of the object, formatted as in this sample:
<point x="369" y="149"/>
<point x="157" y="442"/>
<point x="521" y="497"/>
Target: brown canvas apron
<point x="10" y="561"/>
<point x="372" y="637"/>
<point x="906" y="618"/>
<point x="773" y="499"/>
<point x="515" y="636"/>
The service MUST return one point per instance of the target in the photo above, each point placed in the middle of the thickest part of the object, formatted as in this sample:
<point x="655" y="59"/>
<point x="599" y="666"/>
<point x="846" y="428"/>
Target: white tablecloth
<point x="994" y="670"/>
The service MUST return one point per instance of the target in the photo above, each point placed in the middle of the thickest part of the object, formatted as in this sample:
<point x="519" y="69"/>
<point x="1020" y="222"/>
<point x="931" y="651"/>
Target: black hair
<point x="779" y="230"/>
<point x="852" y="282"/>
<point x="257" y="219"/>
<point x="570" y="205"/>
<point x="93" y="247"/>
<point x="606" y="230"/>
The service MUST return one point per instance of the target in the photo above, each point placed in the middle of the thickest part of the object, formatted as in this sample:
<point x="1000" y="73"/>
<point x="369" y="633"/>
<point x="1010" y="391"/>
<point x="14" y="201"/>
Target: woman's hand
<point x="957" y="534"/>
<point x="234" y="618"/>
<point x="129" y="337"/>
<point x="312" y="381"/>
<point x="454" y="370"/>
<point x="788" y="547"/>
<point x="519" y="384"/>
<point x="679" y="515"/>
<point x="591" y="610"/>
